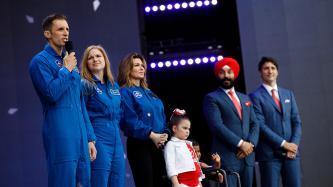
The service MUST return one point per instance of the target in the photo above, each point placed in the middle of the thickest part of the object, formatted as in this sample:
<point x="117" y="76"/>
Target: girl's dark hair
<point x="194" y="142"/>
<point x="176" y="117"/>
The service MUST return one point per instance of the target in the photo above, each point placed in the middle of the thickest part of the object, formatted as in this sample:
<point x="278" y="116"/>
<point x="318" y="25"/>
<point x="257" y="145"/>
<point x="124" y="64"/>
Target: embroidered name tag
<point x="115" y="92"/>
<point x="287" y="101"/>
<point x="137" y="94"/>
<point x="99" y="91"/>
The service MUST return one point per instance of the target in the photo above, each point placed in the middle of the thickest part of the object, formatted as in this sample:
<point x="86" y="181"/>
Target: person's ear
<point x="174" y="128"/>
<point x="47" y="34"/>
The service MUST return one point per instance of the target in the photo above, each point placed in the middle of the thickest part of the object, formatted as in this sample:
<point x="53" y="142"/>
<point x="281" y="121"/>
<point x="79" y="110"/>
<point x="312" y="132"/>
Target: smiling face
<point x="226" y="77"/>
<point x="96" y="61"/>
<point x="269" y="73"/>
<point x="58" y="34"/>
<point x="182" y="129"/>
<point x="138" y="70"/>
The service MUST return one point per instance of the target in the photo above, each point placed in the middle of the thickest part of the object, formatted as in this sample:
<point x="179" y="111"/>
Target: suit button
<point x="148" y="114"/>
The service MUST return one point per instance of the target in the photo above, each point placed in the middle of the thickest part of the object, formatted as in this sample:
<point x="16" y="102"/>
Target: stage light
<point x="160" y="64"/>
<point x="184" y="5"/>
<point x="162" y="7"/>
<point x="190" y="61"/>
<point x="205" y="60"/>
<point x="155" y="8"/>
<point x="212" y="59"/>
<point x="191" y="4"/>
<point x="197" y="60"/>
<point x="180" y="5"/>
<point x="214" y="2"/>
<point x="175" y="63"/>
<point x="153" y="65"/>
<point x="168" y="63"/>
<point x="182" y="62"/>
<point x="147" y="9"/>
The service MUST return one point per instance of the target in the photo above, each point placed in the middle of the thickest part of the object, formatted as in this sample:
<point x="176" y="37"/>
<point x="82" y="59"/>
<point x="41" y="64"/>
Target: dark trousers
<point x="147" y="163"/>
<point x="289" y="170"/>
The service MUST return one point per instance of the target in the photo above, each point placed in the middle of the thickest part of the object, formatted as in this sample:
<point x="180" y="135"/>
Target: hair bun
<point x="179" y="112"/>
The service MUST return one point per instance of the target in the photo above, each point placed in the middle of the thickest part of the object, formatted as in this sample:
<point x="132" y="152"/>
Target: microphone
<point x="69" y="46"/>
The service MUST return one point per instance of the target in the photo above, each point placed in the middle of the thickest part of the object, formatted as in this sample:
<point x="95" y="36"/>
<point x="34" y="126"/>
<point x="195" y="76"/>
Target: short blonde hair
<point x="125" y="68"/>
<point x="86" y="73"/>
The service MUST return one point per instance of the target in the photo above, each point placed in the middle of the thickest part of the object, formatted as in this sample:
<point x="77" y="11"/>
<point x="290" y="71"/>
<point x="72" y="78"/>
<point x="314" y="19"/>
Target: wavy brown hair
<point x="125" y="68"/>
<point x="87" y="74"/>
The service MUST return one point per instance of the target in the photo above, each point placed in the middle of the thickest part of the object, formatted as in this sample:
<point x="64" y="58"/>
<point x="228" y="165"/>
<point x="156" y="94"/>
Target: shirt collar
<point x="228" y="90"/>
<point x="50" y="50"/>
<point x="179" y="140"/>
<point x="269" y="88"/>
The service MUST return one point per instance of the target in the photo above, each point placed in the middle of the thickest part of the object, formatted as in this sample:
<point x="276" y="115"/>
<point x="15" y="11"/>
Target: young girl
<point x="181" y="161"/>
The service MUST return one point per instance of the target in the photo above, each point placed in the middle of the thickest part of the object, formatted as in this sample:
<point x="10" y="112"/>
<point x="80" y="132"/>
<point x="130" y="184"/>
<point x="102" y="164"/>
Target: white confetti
<point x="29" y="19"/>
<point x="96" y="4"/>
<point x="12" y="111"/>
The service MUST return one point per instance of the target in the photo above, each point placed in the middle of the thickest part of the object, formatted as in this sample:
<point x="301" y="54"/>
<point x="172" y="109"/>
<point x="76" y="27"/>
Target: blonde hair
<point x="125" y="68"/>
<point x="86" y="73"/>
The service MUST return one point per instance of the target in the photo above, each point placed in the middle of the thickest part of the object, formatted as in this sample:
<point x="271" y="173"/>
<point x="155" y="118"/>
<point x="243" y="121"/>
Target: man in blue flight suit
<point x="280" y="129"/>
<point x="67" y="133"/>
<point x="232" y="121"/>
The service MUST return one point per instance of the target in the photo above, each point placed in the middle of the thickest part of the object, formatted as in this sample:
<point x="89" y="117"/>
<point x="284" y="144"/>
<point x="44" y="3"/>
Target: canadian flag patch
<point x="247" y="103"/>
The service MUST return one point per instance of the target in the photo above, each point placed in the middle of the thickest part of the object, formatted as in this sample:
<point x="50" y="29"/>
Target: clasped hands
<point x="246" y="148"/>
<point x="291" y="149"/>
<point x="158" y="139"/>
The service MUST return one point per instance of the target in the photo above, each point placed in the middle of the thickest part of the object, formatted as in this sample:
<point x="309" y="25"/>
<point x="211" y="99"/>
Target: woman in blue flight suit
<point x="103" y="100"/>
<point x="143" y="123"/>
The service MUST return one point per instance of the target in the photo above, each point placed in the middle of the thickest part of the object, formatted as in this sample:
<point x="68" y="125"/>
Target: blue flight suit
<point x="66" y="125"/>
<point x="103" y="106"/>
<point x="276" y="126"/>
<point x="143" y="112"/>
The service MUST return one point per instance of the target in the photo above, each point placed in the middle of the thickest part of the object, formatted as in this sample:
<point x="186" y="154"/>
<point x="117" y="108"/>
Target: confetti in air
<point x="12" y="111"/>
<point x="96" y="4"/>
<point x="29" y="19"/>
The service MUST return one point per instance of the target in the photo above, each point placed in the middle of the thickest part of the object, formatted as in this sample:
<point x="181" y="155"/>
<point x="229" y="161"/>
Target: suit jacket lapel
<point x="228" y="100"/>
<point x="269" y="98"/>
<point x="283" y="98"/>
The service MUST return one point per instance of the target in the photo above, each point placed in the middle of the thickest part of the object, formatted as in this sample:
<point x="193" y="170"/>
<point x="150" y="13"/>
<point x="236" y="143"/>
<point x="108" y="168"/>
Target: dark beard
<point x="226" y="83"/>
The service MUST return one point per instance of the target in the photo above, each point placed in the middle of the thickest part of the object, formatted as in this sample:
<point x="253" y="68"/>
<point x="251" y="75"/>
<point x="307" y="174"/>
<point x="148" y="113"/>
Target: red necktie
<point x="236" y="103"/>
<point x="276" y="100"/>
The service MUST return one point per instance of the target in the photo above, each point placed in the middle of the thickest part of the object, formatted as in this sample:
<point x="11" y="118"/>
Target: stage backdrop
<point x="113" y="24"/>
<point x="299" y="34"/>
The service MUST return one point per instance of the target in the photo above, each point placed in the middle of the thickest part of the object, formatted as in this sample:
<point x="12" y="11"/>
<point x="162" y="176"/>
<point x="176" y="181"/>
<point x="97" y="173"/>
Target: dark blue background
<point x="299" y="33"/>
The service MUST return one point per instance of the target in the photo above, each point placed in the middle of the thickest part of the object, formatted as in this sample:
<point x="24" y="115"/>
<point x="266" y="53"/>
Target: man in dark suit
<point x="280" y="129"/>
<point x="231" y="119"/>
